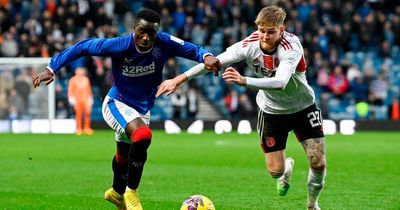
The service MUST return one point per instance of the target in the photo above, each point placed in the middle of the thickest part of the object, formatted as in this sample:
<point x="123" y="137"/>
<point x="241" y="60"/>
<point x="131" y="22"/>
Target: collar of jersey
<point x="143" y="52"/>
<point x="268" y="53"/>
<point x="139" y="51"/>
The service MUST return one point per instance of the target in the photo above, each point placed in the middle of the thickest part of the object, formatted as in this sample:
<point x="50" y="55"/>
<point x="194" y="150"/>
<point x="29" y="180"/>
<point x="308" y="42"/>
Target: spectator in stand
<point x="179" y="102"/>
<point x="353" y="72"/>
<point x="323" y="77"/>
<point x="338" y="82"/>
<point x="246" y="108"/>
<point x="232" y="103"/>
<point x="394" y="110"/>
<point x="23" y="87"/>
<point x="323" y="42"/>
<point x="15" y="105"/>
<point x="171" y="69"/>
<point x="9" y="46"/>
<point x="359" y="89"/>
<point x="378" y="91"/>
<point x="3" y="98"/>
<point x="192" y="102"/>
<point x="369" y="76"/>
<point x="179" y="20"/>
<point x="62" y="108"/>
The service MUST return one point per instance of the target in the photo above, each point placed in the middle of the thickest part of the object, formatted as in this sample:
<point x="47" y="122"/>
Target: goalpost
<point x="24" y="109"/>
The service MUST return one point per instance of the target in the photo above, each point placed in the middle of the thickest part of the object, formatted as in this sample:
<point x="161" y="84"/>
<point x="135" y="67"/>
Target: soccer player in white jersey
<point x="138" y="60"/>
<point x="285" y="99"/>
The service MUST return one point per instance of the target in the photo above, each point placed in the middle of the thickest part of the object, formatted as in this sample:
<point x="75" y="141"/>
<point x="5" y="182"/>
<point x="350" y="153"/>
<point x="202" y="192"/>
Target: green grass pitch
<point x="72" y="172"/>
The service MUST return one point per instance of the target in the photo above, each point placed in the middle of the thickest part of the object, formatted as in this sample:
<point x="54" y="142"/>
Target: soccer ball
<point x="197" y="202"/>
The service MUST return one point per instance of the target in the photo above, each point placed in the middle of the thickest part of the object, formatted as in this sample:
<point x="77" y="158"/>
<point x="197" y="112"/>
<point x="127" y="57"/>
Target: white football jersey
<point x="297" y="94"/>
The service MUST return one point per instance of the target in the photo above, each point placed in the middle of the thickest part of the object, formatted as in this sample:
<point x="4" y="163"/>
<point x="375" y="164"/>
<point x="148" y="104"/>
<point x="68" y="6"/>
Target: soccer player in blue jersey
<point x="138" y="60"/>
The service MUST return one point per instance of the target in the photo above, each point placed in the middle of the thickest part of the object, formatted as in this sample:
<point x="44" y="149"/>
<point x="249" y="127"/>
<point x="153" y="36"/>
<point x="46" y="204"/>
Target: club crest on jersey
<point x="156" y="52"/>
<point x="136" y="71"/>
<point x="276" y="62"/>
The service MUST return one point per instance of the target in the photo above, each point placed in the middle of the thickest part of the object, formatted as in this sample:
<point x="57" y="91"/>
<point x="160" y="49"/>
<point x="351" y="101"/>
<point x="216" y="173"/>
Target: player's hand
<point x="168" y="86"/>
<point x="71" y="101"/>
<point x="45" y="76"/>
<point x="212" y="63"/>
<point x="231" y="75"/>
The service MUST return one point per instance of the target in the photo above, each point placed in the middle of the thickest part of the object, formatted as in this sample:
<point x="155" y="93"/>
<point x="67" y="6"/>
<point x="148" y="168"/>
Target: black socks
<point x="120" y="176"/>
<point x="137" y="159"/>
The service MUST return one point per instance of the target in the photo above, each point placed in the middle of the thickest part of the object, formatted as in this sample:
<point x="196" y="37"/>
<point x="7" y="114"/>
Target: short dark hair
<point x="148" y="15"/>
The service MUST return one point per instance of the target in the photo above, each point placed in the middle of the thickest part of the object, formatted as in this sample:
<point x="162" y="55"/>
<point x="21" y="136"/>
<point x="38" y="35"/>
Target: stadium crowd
<point x="352" y="48"/>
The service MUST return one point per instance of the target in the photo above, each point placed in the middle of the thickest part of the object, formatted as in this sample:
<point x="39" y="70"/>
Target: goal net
<point x="24" y="109"/>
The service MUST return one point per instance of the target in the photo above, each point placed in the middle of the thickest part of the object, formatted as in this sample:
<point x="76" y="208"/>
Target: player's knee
<point x="275" y="168"/>
<point x="142" y="134"/>
<point x="318" y="164"/>
<point x="275" y="174"/>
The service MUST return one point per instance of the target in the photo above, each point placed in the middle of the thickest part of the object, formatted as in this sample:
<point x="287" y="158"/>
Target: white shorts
<point x="117" y="115"/>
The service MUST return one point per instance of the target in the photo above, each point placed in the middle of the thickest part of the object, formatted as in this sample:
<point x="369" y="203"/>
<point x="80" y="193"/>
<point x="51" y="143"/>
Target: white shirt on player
<point x="282" y="83"/>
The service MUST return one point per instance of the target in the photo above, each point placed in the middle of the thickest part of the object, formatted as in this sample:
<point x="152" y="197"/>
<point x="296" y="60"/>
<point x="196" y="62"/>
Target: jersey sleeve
<point x="238" y="51"/>
<point x="94" y="47"/>
<point x="186" y="49"/>
<point x="232" y="54"/>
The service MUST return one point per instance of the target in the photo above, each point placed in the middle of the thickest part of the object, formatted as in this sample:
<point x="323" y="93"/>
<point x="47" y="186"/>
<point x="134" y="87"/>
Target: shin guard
<point x="120" y="169"/>
<point x="141" y="140"/>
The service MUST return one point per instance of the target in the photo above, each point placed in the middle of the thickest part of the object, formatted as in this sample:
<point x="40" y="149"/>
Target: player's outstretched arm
<point x="211" y="63"/>
<point x="170" y="85"/>
<point x="45" y="76"/>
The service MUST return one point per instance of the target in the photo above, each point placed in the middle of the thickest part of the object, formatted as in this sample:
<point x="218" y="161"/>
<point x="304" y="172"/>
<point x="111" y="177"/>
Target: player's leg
<point x="131" y="128"/>
<point x="140" y="135"/>
<point x="315" y="150"/>
<point x="120" y="170"/>
<point x="275" y="162"/>
<point x="310" y="134"/>
<point x="283" y="182"/>
<point x="78" y="118"/>
<point x="273" y="134"/>
<point x="120" y="167"/>
<point x="87" y="119"/>
<point x="280" y="168"/>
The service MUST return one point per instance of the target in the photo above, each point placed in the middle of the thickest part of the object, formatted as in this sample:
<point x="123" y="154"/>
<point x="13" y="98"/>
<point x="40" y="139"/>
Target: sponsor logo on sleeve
<point x="177" y="40"/>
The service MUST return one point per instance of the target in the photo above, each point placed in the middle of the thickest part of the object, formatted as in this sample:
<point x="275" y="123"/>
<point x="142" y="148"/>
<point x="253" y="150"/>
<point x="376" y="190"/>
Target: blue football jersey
<point x="136" y="74"/>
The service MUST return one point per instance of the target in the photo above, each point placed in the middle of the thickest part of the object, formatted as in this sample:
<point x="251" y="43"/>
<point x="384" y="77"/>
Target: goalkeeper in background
<point x="81" y="98"/>
<point x="285" y="99"/>
<point x="138" y="60"/>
